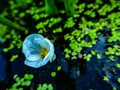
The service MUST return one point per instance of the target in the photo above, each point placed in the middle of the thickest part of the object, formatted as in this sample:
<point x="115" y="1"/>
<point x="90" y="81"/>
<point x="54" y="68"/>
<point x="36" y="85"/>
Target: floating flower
<point x="37" y="50"/>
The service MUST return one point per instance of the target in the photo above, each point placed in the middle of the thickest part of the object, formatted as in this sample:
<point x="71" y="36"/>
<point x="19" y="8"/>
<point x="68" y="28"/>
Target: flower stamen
<point x="44" y="52"/>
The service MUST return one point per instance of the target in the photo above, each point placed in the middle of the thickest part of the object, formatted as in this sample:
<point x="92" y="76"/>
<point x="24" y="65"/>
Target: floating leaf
<point x="53" y="74"/>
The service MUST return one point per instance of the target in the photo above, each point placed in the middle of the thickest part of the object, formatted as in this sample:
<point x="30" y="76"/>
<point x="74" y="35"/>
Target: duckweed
<point x="20" y="83"/>
<point x="45" y="86"/>
<point x="105" y="78"/>
<point x="53" y="74"/>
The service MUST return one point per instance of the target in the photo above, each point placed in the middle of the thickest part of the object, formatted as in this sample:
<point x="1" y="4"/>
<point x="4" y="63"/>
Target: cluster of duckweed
<point x="97" y="8"/>
<point x="26" y="81"/>
<point x="83" y="37"/>
<point x="95" y="53"/>
<point x="36" y="12"/>
<point x="45" y="86"/>
<point x="44" y="21"/>
<point x="49" y="86"/>
<point x="69" y="23"/>
<point x="49" y="23"/>
<point x="87" y="34"/>
<point x="101" y="19"/>
<point x="15" y="41"/>
<point x="20" y="83"/>
<point x="113" y="51"/>
<point x="15" y="38"/>
<point x="115" y="36"/>
<point x="106" y="8"/>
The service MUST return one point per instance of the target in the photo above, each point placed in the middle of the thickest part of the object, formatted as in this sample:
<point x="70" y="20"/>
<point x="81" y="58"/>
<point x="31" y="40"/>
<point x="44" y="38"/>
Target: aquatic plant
<point x="118" y="65"/>
<point x="70" y="6"/>
<point x="38" y="50"/>
<point x="15" y="38"/>
<point x="105" y="78"/>
<point x="20" y="3"/>
<point x="14" y="57"/>
<point x="53" y="74"/>
<point x="59" y="68"/>
<point x="20" y="83"/>
<point x="51" y="7"/>
<point x="80" y="39"/>
<point x="3" y="29"/>
<point x="45" y="86"/>
<point x="81" y="7"/>
<point x="10" y="23"/>
<point x="69" y="23"/>
<point x="88" y="32"/>
<point x="43" y="26"/>
<point x="57" y="30"/>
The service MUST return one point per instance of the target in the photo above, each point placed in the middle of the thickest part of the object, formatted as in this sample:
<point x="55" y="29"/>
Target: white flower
<point x="37" y="50"/>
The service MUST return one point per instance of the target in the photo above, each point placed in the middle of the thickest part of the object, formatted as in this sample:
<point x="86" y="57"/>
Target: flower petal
<point x="51" y="51"/>
<point x="35" y="64"/>
<point x="31" y="48"/>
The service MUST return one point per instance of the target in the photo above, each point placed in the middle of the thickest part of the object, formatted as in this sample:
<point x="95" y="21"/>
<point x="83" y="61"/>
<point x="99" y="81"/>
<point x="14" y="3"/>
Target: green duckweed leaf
<point x="105" y="78"/>
<point x="45" y="86"/>
<point x="118" y="65"/>
<point x="118" y="80"/>
<point x="50" y="87"/>
<point x="53" y="74"/>
<point x="13" y="57"/>
<point x="59" y="68"/>
<point x="39" y="87"/>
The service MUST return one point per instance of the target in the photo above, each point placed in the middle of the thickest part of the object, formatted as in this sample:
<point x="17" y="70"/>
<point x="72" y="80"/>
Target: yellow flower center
<point x="44" y="52"/>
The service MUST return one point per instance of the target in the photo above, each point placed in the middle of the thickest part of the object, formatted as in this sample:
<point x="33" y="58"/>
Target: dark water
<point x="3" y="66"/>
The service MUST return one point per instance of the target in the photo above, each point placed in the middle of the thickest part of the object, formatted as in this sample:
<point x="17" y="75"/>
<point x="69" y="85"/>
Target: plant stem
<point x="70" y="6"/>
<point x="10" y="23"/>
<point x="50" y="7"/>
